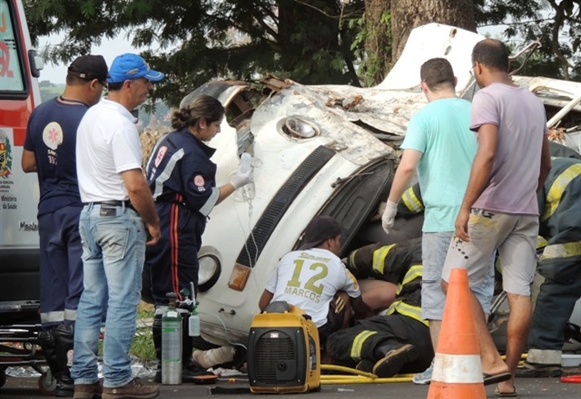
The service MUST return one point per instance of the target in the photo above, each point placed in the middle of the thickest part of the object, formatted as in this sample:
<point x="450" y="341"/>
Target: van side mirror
<point x="36" y="63"/>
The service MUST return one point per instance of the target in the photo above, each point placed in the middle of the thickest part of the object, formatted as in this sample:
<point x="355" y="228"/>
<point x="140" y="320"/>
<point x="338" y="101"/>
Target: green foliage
<point x="371" y="64"/>
<point x="203" y="40"/>
<point x="309" y="41"/>
<point x="555" y="23"/>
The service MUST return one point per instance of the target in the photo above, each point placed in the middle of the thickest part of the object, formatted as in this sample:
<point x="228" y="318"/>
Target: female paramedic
<point x="182" y="179"/>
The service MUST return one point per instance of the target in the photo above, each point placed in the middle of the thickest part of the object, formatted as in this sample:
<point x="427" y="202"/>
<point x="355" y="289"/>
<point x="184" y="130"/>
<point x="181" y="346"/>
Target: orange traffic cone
<point x="457" y="369"/>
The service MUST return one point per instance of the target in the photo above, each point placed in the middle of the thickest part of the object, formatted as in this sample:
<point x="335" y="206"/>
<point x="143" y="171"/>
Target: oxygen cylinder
<point x="171" y="343"/>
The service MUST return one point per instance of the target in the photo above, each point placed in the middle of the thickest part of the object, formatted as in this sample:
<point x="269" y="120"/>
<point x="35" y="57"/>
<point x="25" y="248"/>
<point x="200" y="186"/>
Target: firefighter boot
<point x="55" y="344"/>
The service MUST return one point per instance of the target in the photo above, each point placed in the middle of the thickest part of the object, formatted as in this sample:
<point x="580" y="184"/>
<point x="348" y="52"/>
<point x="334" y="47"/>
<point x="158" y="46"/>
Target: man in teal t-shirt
<point x="440" y="145"/>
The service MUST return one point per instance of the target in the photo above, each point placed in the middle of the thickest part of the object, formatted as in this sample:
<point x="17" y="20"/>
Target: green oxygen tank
<point x="171" y="343"/>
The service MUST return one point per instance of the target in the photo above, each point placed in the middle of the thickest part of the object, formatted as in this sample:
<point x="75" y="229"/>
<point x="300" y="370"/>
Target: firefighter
<point x="559" y="268"/>
<point x="399" y="340"/>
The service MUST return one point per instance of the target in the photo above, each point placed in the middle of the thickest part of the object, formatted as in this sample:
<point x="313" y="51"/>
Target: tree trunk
<point x="409" y="14"/>
<point x="378" y="40"/>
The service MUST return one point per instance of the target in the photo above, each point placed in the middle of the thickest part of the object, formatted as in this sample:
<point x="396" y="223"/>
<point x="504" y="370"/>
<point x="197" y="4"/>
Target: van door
<point x="19" y="193"/>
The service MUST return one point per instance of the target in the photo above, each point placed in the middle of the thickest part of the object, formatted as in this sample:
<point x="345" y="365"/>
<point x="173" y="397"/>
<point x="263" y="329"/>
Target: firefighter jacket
<point x="399" y="264"/>
<point x="560" y="220"/>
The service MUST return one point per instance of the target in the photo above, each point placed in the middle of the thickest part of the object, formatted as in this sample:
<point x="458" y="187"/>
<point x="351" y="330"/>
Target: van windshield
<point x="11" y="76"/>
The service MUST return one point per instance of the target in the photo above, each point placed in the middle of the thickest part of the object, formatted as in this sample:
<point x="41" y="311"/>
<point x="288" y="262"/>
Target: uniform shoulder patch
<point x="199" y="181"/>
<point x="160" y="153"/>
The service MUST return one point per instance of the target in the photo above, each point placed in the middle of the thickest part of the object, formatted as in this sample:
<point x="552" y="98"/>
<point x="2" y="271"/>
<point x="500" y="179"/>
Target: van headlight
<point x="209" y="272"/>
<point x="298" y="128"/>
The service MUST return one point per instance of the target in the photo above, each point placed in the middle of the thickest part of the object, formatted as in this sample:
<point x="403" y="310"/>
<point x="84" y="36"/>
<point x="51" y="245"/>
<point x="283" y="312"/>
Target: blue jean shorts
<point x="434" y="249"/>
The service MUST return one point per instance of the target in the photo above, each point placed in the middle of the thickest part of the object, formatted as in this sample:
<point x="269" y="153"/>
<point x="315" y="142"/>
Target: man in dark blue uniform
<point x="49" y="150"/>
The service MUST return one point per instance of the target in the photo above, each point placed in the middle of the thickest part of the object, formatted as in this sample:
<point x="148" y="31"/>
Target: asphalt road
<point x="539" y="388"/>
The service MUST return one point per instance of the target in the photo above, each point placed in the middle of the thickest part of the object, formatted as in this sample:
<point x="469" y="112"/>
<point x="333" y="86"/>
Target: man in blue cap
<point x="117" y="221"/>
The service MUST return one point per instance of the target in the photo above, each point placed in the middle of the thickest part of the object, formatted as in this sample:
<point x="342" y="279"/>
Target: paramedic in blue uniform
<point x="182" y="179"/>
<point x="49" y="150"/>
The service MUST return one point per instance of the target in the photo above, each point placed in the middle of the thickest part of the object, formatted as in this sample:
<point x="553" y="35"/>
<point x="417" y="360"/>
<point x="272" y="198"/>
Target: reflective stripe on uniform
<point x="407" y="310"/>
<point x="414" y="272"/>
<point x="70" y="314"/>
<point x="166" y="173"/>
<point x="559" y="251"/>
<point x="358" y="342"/>
<point x="557" y="188"/>
<point x="379" y="256"/>
<point x="52" y="317"/>
<point x="411" y="201"/>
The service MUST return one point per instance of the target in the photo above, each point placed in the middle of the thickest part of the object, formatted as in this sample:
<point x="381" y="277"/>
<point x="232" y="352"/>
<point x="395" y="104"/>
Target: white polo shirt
<point x="107" y="144"/>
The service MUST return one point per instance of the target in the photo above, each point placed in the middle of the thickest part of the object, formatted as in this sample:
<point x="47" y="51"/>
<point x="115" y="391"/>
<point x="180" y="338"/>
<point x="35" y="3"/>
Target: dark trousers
<point x="397" y="328"/>
<point x="553" y="309"/>
<point x="173" y="262"/>
<point x="61" y="266"/>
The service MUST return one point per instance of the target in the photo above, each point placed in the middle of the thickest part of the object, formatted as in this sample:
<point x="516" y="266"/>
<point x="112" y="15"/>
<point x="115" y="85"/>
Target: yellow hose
<point x="362" y="377"/>
<point x="359" y="377"/>
<point x="365" y="380"/>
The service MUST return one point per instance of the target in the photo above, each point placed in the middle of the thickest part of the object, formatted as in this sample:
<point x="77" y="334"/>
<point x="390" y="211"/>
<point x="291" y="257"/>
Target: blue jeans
<point x="113" y="256"/>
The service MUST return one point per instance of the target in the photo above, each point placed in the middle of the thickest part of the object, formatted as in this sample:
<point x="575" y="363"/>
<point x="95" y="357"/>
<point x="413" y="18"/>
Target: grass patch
<point x="142" y="346"/>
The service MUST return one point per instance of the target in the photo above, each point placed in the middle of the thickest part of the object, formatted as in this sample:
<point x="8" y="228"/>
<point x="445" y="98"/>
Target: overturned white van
<point x="328" y="150"/>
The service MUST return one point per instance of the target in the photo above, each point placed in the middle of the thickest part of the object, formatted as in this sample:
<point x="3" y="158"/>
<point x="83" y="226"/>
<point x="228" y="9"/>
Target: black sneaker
<point x="394" y="360"/>
<point x="65" y="388"/>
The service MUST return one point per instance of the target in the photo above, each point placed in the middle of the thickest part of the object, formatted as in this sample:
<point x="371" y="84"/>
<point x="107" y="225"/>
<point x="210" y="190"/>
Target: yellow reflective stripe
<point x="567" y="250"/>
<point x="414" y="272"/>
<point x="352" y="259"/>
<point x="557" y="188"/>
<point x="358" y="342"/>
<point x="541" y="242"/>
<point x="379" y="258"/>
<point x="399" y="287"/>
<point x="411" y="201"/>
<point x="392" y="307"/>
<point x="411" y="311"/>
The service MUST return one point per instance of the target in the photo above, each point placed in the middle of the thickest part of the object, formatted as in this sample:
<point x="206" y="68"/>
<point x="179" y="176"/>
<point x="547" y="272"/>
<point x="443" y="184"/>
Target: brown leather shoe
<point x="133" y="390"/>
<point x="88" y="391"/>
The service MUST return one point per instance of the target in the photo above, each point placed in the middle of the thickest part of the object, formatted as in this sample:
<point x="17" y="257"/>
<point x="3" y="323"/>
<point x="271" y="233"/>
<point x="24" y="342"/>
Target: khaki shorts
<point x="513" y="236"/>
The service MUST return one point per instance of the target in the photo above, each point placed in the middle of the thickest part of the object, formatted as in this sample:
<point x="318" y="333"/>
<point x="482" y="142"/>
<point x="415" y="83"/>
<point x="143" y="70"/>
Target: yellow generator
<point x="283" y="351"/>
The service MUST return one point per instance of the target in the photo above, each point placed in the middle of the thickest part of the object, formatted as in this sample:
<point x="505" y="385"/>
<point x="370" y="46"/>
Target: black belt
<point x="126" y="203"/>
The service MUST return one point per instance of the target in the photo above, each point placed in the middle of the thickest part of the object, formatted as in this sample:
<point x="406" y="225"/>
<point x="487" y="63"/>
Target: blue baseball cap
<point x="131" y="66"/>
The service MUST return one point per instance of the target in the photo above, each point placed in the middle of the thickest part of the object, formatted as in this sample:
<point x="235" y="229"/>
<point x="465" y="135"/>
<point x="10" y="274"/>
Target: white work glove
<point x="242" y="177"/>
<point x="388" y="216"/>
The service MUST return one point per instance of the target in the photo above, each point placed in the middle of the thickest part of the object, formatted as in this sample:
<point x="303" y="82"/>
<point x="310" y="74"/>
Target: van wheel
<point x="47" y="383"/>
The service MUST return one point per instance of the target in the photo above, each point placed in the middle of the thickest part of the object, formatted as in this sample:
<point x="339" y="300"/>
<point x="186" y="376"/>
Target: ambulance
<point x="19" y="193"/>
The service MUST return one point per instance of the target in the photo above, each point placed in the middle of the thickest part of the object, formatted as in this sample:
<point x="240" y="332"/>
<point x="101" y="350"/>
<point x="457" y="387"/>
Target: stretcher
<point x="19" y="329"/>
